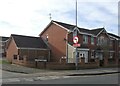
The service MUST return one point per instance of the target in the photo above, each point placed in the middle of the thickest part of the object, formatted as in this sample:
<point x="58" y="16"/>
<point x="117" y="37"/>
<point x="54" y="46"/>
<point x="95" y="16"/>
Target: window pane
<point x="92" y="40"/>
<point x="15" y="56"/>
<point x="85" y="39"/>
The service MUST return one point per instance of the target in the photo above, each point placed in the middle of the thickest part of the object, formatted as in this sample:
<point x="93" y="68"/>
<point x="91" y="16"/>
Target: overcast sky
<point x="30" y="17"/>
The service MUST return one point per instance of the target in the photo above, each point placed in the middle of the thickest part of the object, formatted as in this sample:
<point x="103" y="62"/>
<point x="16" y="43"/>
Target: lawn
<point x="4" y="62"/>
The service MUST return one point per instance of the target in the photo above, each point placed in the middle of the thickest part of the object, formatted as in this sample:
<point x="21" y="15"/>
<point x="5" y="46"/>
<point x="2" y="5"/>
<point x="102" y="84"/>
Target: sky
<point x="30" y="17"/>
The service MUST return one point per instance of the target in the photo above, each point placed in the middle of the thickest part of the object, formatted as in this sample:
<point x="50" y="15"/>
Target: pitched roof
<point x="114" y="35"/>
<point x="28" y="41"/>
<point x="71" y="27"/>
<point x="5" y="38"/>
<point x="96" y="31"/>
<point x="68" y="26"/>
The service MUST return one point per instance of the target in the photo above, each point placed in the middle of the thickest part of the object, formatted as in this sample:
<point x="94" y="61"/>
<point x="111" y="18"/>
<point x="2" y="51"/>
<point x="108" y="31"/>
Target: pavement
<point x="33" y="74"/>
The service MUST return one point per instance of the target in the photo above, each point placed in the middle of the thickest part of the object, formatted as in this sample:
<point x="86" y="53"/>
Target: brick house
<point x="95" y="44"/>
<point x="20" y="48"/>
<point x="55" y="46"/>
<point x="3" y="42"/>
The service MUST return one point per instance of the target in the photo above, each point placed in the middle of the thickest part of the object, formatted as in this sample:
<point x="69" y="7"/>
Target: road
<point x="95" y="79"/>
<point x="6" y="74"/>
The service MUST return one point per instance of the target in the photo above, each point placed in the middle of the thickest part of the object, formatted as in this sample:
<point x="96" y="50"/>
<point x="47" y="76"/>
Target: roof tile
<point x="28" y="41"/>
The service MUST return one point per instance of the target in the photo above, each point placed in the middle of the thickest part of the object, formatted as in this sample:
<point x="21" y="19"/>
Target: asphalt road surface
<point x="6" y="74"/>
<point x="94" y="79"/>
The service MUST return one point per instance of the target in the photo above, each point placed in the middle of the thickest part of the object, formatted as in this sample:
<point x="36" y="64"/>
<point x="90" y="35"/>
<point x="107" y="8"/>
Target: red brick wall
<point x="32" y="54"/>
<point x="56" y="41"/>
<point x="11" y="51"/>
<point x="80" y="36"/>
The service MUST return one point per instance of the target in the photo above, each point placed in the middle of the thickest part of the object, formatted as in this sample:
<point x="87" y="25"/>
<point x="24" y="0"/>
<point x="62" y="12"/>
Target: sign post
<point x="75" y="41"/>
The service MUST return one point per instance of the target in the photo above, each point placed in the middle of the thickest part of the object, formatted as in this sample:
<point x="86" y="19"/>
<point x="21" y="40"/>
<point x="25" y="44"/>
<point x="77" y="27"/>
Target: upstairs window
<point x="102" y="40"/>
<point x="85" y="39"/>
<point x="92" y="40"/>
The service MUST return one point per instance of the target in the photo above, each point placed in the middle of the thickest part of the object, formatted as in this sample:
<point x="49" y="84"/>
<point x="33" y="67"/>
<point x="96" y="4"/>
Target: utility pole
<point x="76" y="13"/>
<point x="76" y="56"/>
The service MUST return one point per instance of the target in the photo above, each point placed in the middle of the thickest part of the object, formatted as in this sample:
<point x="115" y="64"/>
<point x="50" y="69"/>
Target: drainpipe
<point x="49" y="56"/>
<point x="67" y="47"/>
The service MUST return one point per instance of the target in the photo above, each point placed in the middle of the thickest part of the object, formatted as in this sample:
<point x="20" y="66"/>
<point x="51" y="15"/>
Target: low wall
<point x="26" y="63"/>
<point x="60" y="66"/>
<point x="56" y="65"/>
<point x="89" y="65"/>
<point x="114" y="63"/>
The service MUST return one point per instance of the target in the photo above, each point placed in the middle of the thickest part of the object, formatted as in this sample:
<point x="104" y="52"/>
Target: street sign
<point x="76" y="45"/>
<point x="75" y="39"/>
<point x="40" y="60"/>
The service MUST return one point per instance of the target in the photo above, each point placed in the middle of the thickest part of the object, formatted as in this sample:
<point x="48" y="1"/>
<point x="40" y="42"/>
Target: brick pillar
<point x="82" y="60"/>
<point x="116" y="61"/>
<point x="106" y="62"/>
<point x="24" y="59"/>
<point x="63" y="60"/>
<point x="17" y="58"/>
<point x="97" y="61"/>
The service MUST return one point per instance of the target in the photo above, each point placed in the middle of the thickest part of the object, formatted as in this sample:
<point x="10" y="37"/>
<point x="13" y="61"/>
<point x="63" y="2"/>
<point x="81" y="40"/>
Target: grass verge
<point x="4" y="62"/>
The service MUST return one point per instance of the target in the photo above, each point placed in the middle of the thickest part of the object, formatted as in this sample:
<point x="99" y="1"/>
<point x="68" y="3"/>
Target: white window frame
<point x="92" y="40"/>
<point x="111" y="55"/>
<point x="85" y="39"/>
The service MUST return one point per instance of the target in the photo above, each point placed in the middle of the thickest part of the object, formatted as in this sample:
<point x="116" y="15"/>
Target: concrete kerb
<point x="20" y="69"/>
<point x="41" y="78"/>
<point x="33" y="71"/>
<point x="86" y="74"/>
<point x="48" y="75"/>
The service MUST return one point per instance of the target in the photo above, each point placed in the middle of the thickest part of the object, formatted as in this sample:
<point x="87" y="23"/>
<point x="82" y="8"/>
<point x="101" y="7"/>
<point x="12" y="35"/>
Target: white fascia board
<point x="76" y="29"/>
<point x="99" y="32"/>
<point x="83" y="49"/>
<point x="61" y="26"/>
<point x="114" y="37"/>
<point x="45" y="28"/>
<point x="102" y="31"/>
<point x="32" y="48"/>
<point x="87" y="34"/>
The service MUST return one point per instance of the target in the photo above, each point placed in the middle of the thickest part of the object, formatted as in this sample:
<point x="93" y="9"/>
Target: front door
<point x="84" y="54"/>
<point x="100" y="56"/>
